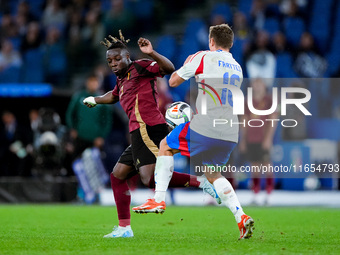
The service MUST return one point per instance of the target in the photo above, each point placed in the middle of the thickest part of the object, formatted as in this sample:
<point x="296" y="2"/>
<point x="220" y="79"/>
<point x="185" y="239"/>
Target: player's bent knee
<point x="164" y="149"/>
<point x="163" y="145"/>
<point x="146" y="173"/>
<point x="121" y="171"/>
<point x="146" y="181"/>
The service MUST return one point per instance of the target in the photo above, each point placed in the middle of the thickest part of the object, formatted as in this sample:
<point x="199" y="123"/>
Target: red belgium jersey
<point x="138" y="96"/>
<point x="257" y="134"/>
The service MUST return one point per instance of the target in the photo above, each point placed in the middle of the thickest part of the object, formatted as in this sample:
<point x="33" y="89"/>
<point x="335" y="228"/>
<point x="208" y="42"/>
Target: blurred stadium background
<point x="50" y="48"/>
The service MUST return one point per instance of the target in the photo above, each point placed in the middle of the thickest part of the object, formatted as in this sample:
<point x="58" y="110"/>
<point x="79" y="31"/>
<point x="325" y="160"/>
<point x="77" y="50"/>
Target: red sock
<point x="179" y="180"/>
<point x="122" y="197"/>
<point x="232" y="182"/>
<point x="256" y="185"/>
<point x="269" y="185"/>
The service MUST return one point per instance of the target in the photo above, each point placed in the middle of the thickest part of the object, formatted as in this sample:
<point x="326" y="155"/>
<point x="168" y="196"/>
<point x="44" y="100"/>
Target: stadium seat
<point x="187" y="48"/>
<point x="271" y="25"/>
<point x="105" y="5"/>
<point x="245" y="7"/>
<point x="36" y="7"/>
<point x="333" y="62"/>
<point x="193" y="26"/>
<point x="222" y="9"/>
<point x="166" y="45"/>
<point x="56" y="61"/>
<point x="196" y="33"/>
<point x="33" y="67"/>
<point x="237" y="50"/>
<point x="16" y="42"/>
<point x="10" y="75"/>
<point x="293" y="28"/>
<point x="319" y="25"/>
<point x="284" y="66"/>
<point x="13" y="6"/>
<point x="143" y="9"/>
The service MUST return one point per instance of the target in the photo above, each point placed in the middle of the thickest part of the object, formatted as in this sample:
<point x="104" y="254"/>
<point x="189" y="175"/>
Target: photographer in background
<point x="14" y="138"/>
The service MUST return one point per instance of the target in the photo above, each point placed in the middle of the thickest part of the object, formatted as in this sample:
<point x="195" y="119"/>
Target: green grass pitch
<point x="70" y="229"/>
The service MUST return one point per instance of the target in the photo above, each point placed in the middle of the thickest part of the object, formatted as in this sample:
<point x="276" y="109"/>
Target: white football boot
<point x="120" y="232"/>
<point x="208" y="188"/>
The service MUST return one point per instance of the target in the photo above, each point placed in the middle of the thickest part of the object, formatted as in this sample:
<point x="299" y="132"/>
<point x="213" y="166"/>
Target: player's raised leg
<point x="215" y="152"/>
<point x="165" y="175"/>
<point x="228" y="196"/>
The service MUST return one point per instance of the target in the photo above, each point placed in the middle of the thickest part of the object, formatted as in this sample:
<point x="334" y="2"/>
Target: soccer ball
<point x="178" y="113"/>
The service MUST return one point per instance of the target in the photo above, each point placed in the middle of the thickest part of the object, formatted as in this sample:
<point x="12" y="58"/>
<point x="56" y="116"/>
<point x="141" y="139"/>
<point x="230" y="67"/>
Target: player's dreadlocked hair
<point x="115" y="42"/>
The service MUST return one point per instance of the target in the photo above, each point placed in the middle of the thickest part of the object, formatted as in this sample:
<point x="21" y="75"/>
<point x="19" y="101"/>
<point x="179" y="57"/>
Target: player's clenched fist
<point x="90" y="102"/>
<point x="145" y="45"/>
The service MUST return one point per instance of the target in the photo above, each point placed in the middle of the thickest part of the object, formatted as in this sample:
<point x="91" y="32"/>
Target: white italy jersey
<point x="212" y="68"/>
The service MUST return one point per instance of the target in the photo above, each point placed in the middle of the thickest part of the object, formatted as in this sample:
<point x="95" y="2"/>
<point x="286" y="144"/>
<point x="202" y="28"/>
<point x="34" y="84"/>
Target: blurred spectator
<point x="54" y="15"/>
<point x="280" y="44"/>
<point x="24" y="11"/>
<point x="106" y="78"/>
<point x="92" y="33"/>
<point x="8" y="56"/>
<point x="119" y="17"/>
<point x="293" y="8"/>
<point x="54" y="57"/>
<point x="33" y="37"/>
<point x="75" y="50"/>
<point x="240" y="26"/>
<point x="6" y="25"/>
<point x="260" y="61"/>
<point x="34" y="119"/>
<point x="13" y="141"/>
<point x="21" y="23"/>
<point x="217" y="20"/>
<point x="284" y="58"/>
<point x="256" y="142"/>
<point x="88" y="127"/>
<point x="309" y="63"/>
<point x="74" y="26"/>
<point x="300" y="131"/>
<point x="79" y="5"/>
<point x="258" y="14"/>
<point x="95" y="5"/>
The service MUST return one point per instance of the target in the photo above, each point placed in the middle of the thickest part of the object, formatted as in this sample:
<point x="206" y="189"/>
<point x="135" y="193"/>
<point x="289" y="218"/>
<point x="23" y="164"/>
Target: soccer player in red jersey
<point x="256" y="142"/>
<point x="137" y="93"/>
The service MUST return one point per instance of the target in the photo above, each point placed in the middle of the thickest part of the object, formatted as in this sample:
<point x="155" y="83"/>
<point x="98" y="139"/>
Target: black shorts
<point x="144" y="145"/>
<point x="255" y="153"/>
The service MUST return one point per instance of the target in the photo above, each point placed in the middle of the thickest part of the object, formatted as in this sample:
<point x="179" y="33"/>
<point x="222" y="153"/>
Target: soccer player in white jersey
<point x="200" y="137"/>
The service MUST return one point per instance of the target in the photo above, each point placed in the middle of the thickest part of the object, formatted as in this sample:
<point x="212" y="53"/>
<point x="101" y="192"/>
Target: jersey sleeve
<point x="193" y="67"/>
<point x="115" y="91"/>
<point x="148" y="67"/>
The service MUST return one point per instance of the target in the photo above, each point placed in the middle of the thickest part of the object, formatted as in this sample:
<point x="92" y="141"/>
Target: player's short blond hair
<point x="223" y="35"/>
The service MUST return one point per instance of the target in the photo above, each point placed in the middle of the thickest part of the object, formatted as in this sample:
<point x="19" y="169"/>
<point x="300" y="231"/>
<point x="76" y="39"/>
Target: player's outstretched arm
<point x="165" y="65"/>
<point x="175" y="80"/>
<point x="107" y="98"/>
<point x="187" y="71"/>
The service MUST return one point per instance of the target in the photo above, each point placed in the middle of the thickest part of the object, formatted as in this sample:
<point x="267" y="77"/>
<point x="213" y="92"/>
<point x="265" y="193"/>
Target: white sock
<point x="163" y="173"/>
<point x="201" y="179"/>
<point x="228" y="196"/>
